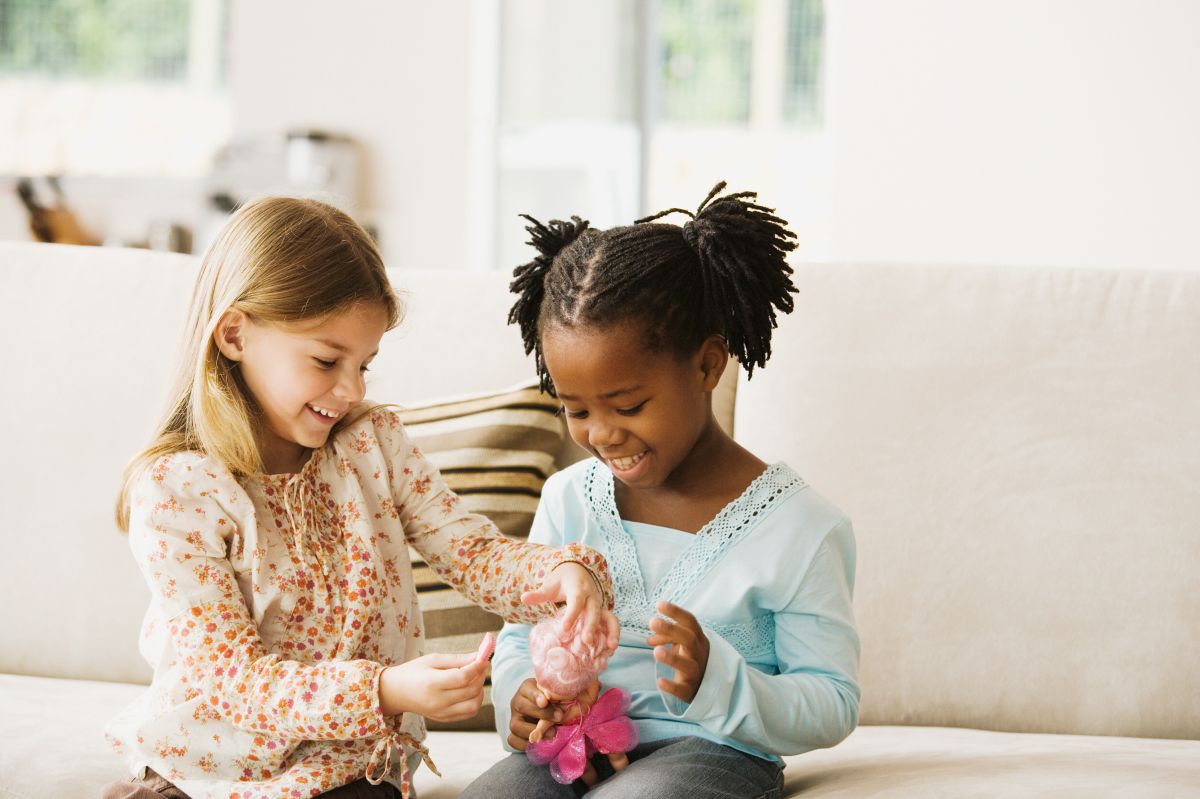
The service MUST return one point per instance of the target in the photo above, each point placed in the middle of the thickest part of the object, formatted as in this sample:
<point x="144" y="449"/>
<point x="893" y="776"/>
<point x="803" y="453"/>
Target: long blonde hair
<point x="278" y="260"/>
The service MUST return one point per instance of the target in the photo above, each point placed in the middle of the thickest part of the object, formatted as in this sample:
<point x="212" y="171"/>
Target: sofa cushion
<point x="1019" y="451"/>
<point x="495" y="450"/>
<point x="923" y="762"/>
<point x="51" y="747"/>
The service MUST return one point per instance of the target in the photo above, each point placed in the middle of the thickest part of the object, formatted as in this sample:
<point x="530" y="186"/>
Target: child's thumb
<point x="443" y="660"/>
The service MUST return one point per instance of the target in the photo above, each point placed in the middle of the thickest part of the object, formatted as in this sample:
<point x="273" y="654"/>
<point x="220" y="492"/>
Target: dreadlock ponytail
<point x="529" y="281"/>
<point x="742" y="249"/>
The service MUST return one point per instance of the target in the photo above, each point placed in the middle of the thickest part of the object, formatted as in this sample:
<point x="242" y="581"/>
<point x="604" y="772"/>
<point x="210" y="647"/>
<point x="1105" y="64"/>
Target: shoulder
<point x="804" y="514"/>
<point x="189" y="474"/>
<point x="373" y="427"/>
<point x="184" y="488"/>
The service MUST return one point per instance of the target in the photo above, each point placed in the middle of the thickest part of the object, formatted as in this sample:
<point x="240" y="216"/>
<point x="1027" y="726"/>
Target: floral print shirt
<point x="277" y="601"/>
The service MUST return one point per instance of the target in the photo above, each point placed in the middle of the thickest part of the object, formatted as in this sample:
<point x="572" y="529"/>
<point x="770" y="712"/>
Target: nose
<point x="351" y="387"/>
<point x="603" y="435"/>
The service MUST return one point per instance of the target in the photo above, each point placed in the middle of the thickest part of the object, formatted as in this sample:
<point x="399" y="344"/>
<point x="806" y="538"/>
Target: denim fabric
<point x="676" y="768"/>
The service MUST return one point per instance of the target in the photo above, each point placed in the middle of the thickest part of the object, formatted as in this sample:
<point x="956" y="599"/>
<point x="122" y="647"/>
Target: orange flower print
<point x="268" y="660"/>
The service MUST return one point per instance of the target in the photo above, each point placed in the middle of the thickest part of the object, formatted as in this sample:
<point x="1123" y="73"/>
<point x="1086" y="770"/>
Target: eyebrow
<point x="333" y="345"/>
<point x="609" y="395"/>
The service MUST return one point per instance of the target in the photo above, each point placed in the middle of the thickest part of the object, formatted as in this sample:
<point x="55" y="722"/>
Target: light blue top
<point x="770" y="579"/>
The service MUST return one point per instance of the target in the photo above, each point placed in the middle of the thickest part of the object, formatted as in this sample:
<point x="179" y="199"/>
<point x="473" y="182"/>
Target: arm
<point x="466" y="550"/>
<point x="182" y="519"/>
<point x="511" y="664"/>
<point x="813" y="701"/>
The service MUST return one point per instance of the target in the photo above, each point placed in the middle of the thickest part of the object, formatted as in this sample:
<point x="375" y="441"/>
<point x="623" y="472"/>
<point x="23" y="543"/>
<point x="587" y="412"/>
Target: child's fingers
<point x="530" y="702"/>
<point x="674" y="689"/>
<point x="442" y="660"/>
<point x="677" y="659"/>
<point x="678" y="614"/>
<point x="613" y="630"/>
<point x="665" y="632"/>
<point x="463" y="710"/>
<point x="538" y="596"/>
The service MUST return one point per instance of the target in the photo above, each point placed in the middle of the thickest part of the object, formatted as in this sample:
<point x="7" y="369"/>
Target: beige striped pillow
<point x="495" y="451"/>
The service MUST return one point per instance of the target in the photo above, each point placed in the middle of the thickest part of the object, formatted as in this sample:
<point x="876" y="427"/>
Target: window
<point x="112" y="87"/>
<point x="706" y="51"/>
<point x="613" y="110"/>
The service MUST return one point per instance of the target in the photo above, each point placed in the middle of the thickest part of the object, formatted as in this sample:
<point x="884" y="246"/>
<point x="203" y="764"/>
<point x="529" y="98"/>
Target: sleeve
<point x="465" y="549"/>
<point x="511" y="664"/>
<point x="182" y="521"/>
<point x="813" y="701"/>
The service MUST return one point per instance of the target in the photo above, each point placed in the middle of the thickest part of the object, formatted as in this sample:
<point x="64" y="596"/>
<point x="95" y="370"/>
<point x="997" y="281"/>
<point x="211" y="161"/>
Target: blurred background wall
<point x="965" y="131"/>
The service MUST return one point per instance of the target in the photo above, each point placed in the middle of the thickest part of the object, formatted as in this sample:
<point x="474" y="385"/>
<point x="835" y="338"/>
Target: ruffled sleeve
<point x="466" y="550"/>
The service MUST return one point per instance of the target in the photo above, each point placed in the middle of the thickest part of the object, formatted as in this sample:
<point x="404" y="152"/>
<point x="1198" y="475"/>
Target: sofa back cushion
<point x="93" y="334"/>
<point x="1019" y="451"/>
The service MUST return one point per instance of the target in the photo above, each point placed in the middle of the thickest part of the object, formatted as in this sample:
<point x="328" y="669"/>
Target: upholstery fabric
<point x="495" y="450"/>
<point x="1019" y="451"/>
<point x="883" y="762"/>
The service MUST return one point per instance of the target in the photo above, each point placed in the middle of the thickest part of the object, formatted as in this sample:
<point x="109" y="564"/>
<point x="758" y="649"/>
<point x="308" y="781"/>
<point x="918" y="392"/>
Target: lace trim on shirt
<point x="734" y="522"/>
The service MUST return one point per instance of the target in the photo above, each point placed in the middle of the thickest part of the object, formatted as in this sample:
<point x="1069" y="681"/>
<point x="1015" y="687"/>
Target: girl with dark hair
<point x="733" y="577"/>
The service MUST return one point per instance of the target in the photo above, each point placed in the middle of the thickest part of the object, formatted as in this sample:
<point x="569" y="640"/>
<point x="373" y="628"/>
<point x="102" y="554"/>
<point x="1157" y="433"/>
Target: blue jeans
<point x="676" y="768"/>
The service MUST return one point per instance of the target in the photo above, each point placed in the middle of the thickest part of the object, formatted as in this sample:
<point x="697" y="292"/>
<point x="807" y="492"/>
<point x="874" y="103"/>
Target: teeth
<point x="625" y="464"/>
<point x="323" y="412"/>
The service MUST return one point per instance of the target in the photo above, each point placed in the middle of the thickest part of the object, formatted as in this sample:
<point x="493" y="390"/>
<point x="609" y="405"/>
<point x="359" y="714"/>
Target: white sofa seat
<point x="51" y="746"/>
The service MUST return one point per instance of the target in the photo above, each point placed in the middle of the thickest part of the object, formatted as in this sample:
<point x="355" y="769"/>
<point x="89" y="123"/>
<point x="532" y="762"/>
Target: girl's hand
<point x="573" y="584"/>
<point x="688" y="653"/>
<point x="529" y="706"/>
<point x="438" y="687"/>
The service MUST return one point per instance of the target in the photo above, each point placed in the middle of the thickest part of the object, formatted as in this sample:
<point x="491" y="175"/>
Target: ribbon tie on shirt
<point x="297" y="493"/>
<point x="376" y="771"/>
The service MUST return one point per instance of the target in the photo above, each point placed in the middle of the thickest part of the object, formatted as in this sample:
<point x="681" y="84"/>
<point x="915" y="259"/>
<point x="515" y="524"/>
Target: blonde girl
<point x="270" y="516"/>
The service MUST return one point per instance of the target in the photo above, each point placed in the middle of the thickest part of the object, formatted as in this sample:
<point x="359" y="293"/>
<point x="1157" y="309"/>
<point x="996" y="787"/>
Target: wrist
<point x="595" y="580"/>
<point x="391" y="694"/>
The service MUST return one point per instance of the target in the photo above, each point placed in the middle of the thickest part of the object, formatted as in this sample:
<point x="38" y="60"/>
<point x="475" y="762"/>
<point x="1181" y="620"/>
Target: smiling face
<point x="641" y="412"/>
<point x="304" y="376"/>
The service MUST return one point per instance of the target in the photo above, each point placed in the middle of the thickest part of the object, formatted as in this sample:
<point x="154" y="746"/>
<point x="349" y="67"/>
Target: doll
<point x="567" y="666"/>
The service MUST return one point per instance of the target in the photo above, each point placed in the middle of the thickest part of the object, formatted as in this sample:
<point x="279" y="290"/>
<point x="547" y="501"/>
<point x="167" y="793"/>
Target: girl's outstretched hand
<point x="438" y="687"/>
<point x="688" y="653"/>
<point x="572" y="584"/>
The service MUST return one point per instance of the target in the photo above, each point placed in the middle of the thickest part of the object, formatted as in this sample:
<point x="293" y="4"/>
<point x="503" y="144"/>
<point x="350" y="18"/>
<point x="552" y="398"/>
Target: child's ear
<point x="230" y="334"/>
<point x="714" y="357"/>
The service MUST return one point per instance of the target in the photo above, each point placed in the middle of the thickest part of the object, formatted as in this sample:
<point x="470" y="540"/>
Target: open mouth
<point x="625" y="464"/>
<point x="324" y="414"/>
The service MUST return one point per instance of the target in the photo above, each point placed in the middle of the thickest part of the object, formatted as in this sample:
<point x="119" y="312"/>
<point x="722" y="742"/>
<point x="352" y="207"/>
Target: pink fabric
<point x="604" y="729"/>
<point x="564" y="660"/>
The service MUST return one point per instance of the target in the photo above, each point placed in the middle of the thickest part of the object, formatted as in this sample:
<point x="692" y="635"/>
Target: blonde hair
<point x="279" y="260"/>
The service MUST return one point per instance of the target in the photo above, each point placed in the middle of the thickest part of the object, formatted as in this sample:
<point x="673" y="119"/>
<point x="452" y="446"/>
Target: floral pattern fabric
<point x="277" y="601"/>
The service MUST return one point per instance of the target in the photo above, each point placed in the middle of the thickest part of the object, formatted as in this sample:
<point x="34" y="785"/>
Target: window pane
<point x="706" y="51"/>
<point x="114" y="39"/>
<point x="802" y="86"/>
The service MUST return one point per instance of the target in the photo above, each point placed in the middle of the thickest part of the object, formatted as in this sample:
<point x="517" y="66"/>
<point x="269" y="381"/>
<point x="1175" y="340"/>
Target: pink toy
<point x="565" y="664"/>
<point x="486" y="647"/>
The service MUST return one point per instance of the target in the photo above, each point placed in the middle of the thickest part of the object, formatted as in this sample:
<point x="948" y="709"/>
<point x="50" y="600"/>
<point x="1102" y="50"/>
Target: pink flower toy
<point x="566" y="664"/>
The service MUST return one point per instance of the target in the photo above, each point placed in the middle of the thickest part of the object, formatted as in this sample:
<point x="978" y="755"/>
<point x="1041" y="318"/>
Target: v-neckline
<point x="635" y="606"/>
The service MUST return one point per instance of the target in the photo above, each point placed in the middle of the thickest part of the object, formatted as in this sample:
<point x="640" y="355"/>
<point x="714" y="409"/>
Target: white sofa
<point x="1019" y="450"/>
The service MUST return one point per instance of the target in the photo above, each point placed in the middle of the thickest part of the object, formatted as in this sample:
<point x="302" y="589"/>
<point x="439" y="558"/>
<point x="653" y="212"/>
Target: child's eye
<point x="632" y="411"/>
<point x="571" y="414"/>
<point x="325" y="364"/>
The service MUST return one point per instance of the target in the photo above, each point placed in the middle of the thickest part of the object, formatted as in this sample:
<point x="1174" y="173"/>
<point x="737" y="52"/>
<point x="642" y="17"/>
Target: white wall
<point x="1059" y="132"/>
<point x="395" y="77"/>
